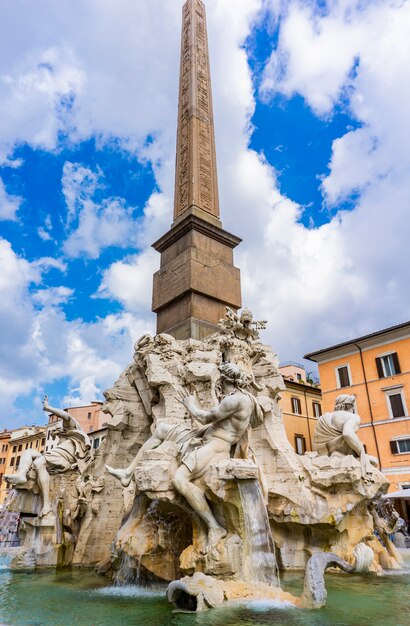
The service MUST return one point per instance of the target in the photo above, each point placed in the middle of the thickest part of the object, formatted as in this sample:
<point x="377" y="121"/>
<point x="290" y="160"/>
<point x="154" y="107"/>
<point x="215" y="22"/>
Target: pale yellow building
<point x="301" y="405"/>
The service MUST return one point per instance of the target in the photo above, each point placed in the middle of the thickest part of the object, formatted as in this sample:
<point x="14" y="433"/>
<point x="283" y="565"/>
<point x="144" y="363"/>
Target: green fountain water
<point x="85" y="599"/>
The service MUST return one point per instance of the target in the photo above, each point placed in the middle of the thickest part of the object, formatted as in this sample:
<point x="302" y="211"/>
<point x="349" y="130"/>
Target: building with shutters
<point x="301" y="404"/>
<point x="376" y="370"/>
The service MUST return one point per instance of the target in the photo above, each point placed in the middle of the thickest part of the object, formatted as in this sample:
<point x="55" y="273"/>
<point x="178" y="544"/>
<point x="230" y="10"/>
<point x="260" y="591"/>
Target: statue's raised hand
<point x="45" y="403"/>
<point x="185" y="398"/>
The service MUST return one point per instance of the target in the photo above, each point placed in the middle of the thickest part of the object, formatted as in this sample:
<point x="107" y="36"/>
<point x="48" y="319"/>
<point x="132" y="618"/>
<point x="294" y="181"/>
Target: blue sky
<point x="310" y="101"/>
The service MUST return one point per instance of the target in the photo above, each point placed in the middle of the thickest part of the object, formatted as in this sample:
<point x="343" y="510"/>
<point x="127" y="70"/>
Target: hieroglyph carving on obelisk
<point x="196" y="184"/>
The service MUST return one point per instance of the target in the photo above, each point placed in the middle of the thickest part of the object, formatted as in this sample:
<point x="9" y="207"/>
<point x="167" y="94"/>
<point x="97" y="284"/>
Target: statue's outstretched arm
<point x="69" y="421"/>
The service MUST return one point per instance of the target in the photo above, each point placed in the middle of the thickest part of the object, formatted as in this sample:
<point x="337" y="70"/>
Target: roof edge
<point x="353" y="342"/>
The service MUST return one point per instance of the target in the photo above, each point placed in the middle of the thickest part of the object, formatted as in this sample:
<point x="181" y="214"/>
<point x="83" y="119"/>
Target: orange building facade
<point x="301" y="404"/>
<point x="376" y="370"/>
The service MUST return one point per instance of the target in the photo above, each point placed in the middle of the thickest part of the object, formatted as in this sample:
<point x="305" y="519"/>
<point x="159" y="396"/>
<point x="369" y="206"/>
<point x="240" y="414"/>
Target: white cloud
<point x="43" y="234"/>
<point x="9" y="204"/>
<point x="93" y="225"/>
<point x="130" y="281"/>
<point x="38" y="88"/>
<point x="40" y="346"/>
<point x="47" y="263"/>
<point x="351" y="271"/>
<point x="52" y="296"/>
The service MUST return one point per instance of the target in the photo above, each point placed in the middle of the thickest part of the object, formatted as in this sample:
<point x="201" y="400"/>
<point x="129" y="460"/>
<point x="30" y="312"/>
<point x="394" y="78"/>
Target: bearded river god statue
<point x="224" y="426"/>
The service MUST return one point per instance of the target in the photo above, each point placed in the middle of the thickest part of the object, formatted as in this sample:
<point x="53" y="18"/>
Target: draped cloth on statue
<point x="72" y="451"/>
<point x="325" y="434"/>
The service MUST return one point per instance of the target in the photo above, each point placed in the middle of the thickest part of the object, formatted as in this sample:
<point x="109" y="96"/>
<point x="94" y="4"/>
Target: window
<point x="395" y="402"/>
<point x="317" y="409"/>
<point x="343" y="376"/>
<point x="90" y="430"/>
<point x="43" y="441"/>
<point x="20" y="447"/>
<point x="17" y="462"/>
<point x="14" y="448"/>
<point x="400" y="446"/>
<point x="388" y="365"/>
<point x="89" y="416"/>
<point x="31" y="444"/>
<point x="96" y="443"/>
<point x="296" y="406"/>
<point x="26" y="446"/>
<point x="300" y="444"/>
<point x="299" y="377"/>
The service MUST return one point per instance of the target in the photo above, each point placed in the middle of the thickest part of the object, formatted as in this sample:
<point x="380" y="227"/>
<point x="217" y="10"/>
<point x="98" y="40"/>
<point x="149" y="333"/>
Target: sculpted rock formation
<point x="314" y="502"/>
<point x="211" y="484"/>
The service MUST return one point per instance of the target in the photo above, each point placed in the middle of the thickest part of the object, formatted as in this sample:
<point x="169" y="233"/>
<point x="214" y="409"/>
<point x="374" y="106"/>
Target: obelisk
<point x="197" y="278"/>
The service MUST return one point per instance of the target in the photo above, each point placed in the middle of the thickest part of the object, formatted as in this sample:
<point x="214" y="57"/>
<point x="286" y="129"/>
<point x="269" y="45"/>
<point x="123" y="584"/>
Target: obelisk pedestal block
<point x="196" y="280"/>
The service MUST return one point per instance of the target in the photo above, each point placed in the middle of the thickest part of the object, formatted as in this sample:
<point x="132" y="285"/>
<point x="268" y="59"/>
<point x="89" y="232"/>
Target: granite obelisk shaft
<point x="197" y="278"/>
<point x="196" y="181"/>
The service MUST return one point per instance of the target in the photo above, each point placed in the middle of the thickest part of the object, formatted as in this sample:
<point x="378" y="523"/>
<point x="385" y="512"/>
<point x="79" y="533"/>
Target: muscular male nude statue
<point x="223" y="426"/>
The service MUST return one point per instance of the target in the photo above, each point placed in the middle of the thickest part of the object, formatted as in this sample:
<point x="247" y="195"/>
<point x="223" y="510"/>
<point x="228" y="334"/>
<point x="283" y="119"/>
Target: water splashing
<point x="128" y="573"/>
<point x="259" y="545"/>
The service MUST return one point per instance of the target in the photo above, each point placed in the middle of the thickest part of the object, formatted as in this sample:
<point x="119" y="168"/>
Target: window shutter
<point x="396" y="404"/>
<point x="379" y="367"/>
<point x="394" y="447"/>
<point x="344" y="378"/>
<point x="397" y="369"/>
